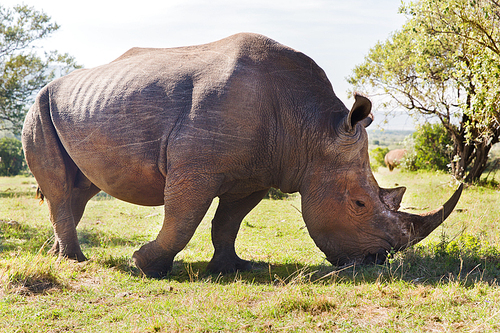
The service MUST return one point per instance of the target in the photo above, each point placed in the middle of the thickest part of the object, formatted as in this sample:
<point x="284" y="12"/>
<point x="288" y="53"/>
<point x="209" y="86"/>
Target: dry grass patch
<point x="31" y="274"/>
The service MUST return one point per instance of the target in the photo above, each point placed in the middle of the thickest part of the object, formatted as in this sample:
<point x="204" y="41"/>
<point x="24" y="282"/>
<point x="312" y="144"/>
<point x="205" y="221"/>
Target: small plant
<point x="408" y="161"/>
<point x="377" y="157"/>
<point x="489" y="183"/>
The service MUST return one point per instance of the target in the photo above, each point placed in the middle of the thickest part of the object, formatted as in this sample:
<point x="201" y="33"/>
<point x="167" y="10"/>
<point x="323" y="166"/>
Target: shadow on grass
<point x="466" y="259"/>
<point x="262" y="273"/>
<point x="409" y="268"/>
<point x="418" y="269"/>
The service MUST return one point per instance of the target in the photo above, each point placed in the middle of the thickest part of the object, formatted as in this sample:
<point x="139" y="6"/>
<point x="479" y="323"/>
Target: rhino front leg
<point x="225" y="227"/>
<point x="187" y="199"/>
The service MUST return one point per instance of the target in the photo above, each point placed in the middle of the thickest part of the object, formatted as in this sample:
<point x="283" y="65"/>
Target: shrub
<point x="275" y="194"/>
<point x="464" y="256"/>
<point x="377" y="157"/>
<point x="12" y="157"/>
<point x="429" y="148"/>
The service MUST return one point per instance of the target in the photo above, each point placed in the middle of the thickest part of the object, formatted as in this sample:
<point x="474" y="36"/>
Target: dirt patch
<point x="34" y="287"/>
<point x="372" y="316"/>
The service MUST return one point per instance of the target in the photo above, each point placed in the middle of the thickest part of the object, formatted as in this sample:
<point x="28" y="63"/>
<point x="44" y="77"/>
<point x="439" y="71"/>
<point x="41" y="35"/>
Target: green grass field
<point x="447" y="283"/>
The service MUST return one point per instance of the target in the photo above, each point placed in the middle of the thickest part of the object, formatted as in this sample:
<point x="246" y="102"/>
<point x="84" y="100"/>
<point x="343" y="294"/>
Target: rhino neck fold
<point x="293" y="155"/>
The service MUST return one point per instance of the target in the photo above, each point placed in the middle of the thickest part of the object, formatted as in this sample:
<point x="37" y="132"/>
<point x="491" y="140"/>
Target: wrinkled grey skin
<point x="230" y="119"/>
<point x="393" y="158"/>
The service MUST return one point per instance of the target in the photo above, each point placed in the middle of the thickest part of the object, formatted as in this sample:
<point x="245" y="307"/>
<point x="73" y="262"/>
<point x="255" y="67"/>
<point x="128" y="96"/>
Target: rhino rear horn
<point x="392" y="197"/>
<point x="360" y="112"/>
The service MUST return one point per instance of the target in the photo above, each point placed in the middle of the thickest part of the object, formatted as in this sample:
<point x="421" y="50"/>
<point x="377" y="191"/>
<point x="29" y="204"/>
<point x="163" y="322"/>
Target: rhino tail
<point x="39" y="195"/>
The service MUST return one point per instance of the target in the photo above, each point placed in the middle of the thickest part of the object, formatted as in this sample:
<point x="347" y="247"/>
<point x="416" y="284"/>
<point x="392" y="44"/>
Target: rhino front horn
<point x="422" y="225"/>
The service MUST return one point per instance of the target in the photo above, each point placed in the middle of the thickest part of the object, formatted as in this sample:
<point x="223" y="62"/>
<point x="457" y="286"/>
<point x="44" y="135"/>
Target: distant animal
<point x="229" y="119"/>
<point x="393" y="158"/>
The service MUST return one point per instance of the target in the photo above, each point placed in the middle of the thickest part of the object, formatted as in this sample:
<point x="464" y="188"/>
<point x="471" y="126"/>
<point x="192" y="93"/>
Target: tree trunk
<point x="480" y="163"/>
<point x="461" y="153"/>
<point x="472" y="159"/>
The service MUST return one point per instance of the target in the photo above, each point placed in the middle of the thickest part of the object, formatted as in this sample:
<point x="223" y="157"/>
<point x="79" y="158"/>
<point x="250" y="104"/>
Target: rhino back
<point x="151" y="110"/>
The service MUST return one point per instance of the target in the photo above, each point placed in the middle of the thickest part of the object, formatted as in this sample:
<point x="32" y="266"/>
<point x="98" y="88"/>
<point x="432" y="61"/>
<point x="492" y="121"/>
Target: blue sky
<point x="337" y="34"/>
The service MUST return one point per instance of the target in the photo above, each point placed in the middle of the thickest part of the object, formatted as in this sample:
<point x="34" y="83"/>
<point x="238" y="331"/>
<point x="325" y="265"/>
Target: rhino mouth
<point x="375" y="258"/>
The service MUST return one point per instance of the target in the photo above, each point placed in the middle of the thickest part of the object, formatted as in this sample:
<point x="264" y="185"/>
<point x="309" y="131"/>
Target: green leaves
<point x="24" y="69"/>
<point x="22" y="25"/>
<point x="429" y="148"/>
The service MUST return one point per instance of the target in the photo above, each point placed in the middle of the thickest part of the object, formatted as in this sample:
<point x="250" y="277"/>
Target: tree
<point x="444" y="63"/>
<point x="11" y="157"/>
<point x="23" y="70"/>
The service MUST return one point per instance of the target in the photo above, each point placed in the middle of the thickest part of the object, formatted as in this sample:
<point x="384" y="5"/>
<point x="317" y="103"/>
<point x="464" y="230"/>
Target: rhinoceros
<point x="229" y="119"/>
<point x="393" y="158"/>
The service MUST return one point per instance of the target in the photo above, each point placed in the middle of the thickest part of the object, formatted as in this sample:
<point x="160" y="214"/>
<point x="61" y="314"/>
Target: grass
<point x="448" y="282"/>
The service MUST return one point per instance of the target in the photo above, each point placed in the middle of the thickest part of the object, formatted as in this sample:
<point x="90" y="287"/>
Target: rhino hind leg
<point x="81" y="194"/>
<point x="66" y="208"/>
<point x="225" y="227"/>
<point x="62" y="184"/>
<point x="64" y="222"/>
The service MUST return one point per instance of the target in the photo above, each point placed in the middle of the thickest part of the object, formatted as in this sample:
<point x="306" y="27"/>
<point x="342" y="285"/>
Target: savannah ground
<point x="447" y="283"/>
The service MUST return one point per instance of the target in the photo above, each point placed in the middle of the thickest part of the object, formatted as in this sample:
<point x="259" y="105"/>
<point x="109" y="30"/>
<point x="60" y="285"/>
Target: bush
<point x="377" y="157"/>
<point x="275" y="194"/>
<point x="12" y="157"/>
<point x="429" y="148"/>
<point x="466" y="256"/>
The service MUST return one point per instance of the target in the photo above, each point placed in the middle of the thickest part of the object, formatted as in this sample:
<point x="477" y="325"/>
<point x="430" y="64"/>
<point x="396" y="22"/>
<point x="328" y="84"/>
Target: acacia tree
<point x="24" y="69"/>
<point x="444" y="63"/>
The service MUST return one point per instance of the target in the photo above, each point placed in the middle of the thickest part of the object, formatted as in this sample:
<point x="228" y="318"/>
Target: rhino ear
<point x="360" y="112"/>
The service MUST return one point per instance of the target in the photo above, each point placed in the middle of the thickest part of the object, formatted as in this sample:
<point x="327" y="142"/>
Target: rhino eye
<point x="360" y="203"/>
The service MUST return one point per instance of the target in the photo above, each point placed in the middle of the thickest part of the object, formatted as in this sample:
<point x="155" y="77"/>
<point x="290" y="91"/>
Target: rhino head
<point x="350" y="218"/>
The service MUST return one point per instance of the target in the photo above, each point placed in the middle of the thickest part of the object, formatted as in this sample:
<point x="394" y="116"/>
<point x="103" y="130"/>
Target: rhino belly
<point x="138" y="182"/>
<point x="124" y="166"/>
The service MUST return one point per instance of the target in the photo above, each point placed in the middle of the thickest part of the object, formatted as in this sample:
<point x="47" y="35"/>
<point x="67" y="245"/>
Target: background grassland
<point x="446" y="283"/>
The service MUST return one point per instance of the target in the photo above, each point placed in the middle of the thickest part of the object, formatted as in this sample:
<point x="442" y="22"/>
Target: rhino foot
<point x="153" y="261"/>
<point x="78" y="256"/>
<point x="228" y="264"/>
<point x="75" y="254"/>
